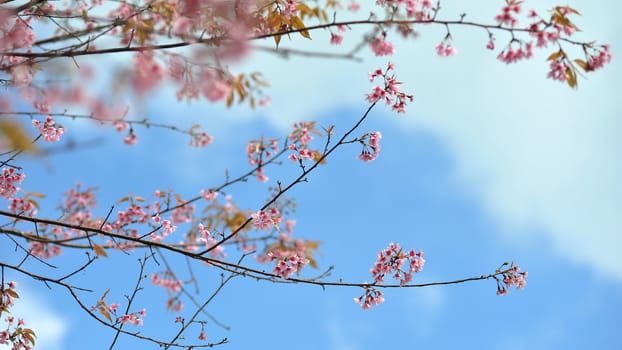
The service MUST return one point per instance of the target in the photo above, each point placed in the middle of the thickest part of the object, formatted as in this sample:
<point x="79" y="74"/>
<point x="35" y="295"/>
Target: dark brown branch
<point x="72" y="291"/>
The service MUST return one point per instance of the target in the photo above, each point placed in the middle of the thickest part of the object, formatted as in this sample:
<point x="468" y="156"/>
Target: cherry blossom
<point x="445" y="49"/>
<point x="209" y="196"/>
<point x="600" y="59"/>
<point x="511" y="278"/>
<point x="512" y="54"/>
<point x="8" y="180"/>
<point x="372" y="297"/>
<point x="263" y="220"/>
<point x="336" y="39"/>
<point x="131" y="139"/>
<point x="394" y="262"/>
<point x="381" y="47"/>
<point x="201" y="140"/>
<point x="391" y="92"/>
<point x="147" y="72"/>
<point x="558" y="71"/>
<point x="371" y="146"/>
<point x="354" y="6"/>
<point x="508" y="13"/>
<point x="48" y="130"/>
<point x="288" y="265"/>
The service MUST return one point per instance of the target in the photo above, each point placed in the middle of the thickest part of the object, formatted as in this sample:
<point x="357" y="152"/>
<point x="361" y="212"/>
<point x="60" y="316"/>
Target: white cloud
<point x="49" y="326"/>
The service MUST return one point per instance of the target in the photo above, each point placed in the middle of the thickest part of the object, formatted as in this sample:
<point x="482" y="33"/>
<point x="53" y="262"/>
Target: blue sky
<point x="491" y="163"/>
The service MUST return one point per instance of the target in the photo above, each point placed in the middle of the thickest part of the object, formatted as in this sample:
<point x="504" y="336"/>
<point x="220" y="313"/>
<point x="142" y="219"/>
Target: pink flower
<point x="182" y="26"/>
<point x="445" y="50"/>
<point x="288" y="265"/>
<point x="380" y="47"/>
<point x="371" y="146"/>
<point x="202" y="336"/>
<point x="600" y="59"/>
<point x="511" y="277"/>
<point x="289" y="225"/>
<point x="290" y="8"/>
<point x="508" y="12"/>
<point x="261" y="176"/>
<point x="48" y="130"/>
<point x="306" y="153"/>
<point x="392" y="260"/>
<point x="336" y="39"/>
<point x="354" y="6"/>
<point x="147" y="73"/>
<point x="491" y="44"/>
<point x="372" y="297"/>
<point x="558" y="71"/>
<point x="216" y="90"/>
<point x="131" y="139"/>
<point x="120" y="126"/>
<point x="8" y="181"/>
<point x="209" y="196"/>
<point x="237" y="46"/>
<point x="261" y="220"/>
<point x="201" y="140"/>
<point x="391" y="92"/>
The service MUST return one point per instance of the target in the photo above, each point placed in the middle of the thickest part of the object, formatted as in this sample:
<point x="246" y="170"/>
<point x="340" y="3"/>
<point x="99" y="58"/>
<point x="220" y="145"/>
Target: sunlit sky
<point x="491" y="163"/>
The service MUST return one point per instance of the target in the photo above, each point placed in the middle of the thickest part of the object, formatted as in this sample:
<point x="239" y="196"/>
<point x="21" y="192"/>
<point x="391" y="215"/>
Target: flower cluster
<point x="15" y="334"/>
<point x="511" y="277"/>
<point x="289" y="255"/>
<point x="336" y="39"/>
<point x="135" y="318"/>
<point x="392" y="261"/>
<point x="22" y="206"/>
<point x="391" y="92"/>
<point x="209" y="240"/>
<point x="372" y="297"/>
<point x="509" y="12"/>
<point x="8" y="180"/>
<point x="285" y="266"/>
<point x="7" y="296"/>
<point x="50" y="132"/>
<point x="209" y="196"/>
<point x="170" y="284"/>
<point x="599" y="59"/>
<point x="558" y="70"/>
<point x="512" y="55"/>
<point x="420" y="10"/>
<point x="371" y="146"/>
<point x="263" y="220"/>
<point x="147" y="72"/>
<point x="166" y="229"/>
<point x="19" y="35"/>
<point x="44" y="250"/>
<point x="183" y="214"/>
<point x="257" y="150"/>
<point x="445" y="49"/>
<point x="381" y="47"/>
<point x="201" y="139"/>
<point x="300" y="138"/>
<point x="550" y="31"/>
